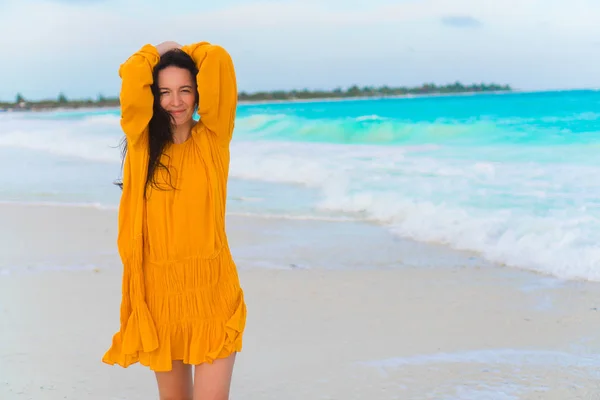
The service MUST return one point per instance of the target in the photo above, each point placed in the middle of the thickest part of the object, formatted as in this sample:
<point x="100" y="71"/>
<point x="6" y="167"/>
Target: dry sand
<point x="404" y="330"/>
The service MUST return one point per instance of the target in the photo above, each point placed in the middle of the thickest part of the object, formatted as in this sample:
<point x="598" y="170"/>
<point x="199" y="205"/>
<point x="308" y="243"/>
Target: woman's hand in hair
<point x="166" y="46"/>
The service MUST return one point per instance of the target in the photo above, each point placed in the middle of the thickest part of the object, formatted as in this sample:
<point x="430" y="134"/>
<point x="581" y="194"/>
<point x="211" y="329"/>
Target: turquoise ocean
<point x="512" y="177"/>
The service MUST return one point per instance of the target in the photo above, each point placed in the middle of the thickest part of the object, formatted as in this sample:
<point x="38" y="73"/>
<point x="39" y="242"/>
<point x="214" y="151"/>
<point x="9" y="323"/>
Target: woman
<point x="182" y="303"/>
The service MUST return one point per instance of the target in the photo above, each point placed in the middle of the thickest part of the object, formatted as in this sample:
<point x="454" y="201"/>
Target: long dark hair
<point x="160" y="131"/>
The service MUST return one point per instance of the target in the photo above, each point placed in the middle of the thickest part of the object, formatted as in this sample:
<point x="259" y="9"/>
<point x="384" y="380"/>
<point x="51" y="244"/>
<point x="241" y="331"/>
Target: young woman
<point x="182" y="304"/>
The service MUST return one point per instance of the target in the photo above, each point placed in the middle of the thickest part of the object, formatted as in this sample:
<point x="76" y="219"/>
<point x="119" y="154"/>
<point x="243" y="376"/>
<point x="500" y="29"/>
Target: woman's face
<point x="177" y="90"/>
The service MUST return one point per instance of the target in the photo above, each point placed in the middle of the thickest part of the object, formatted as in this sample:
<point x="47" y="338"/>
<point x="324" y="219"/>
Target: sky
<point x="76" y="46"/>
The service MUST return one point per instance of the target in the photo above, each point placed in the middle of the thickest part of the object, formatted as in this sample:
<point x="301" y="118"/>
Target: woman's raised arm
<point x="217" y="88"/>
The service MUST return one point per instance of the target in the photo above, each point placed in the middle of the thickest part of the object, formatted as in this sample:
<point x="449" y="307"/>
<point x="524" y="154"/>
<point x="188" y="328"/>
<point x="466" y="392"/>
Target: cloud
<point x="461" y="21"/>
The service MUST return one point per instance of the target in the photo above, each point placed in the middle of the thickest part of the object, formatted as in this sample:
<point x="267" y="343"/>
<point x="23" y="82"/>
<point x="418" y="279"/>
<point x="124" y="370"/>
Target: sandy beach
<point x="331" y="316"/>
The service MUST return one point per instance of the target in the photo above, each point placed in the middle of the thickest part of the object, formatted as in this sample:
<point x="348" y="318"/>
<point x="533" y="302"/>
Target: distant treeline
<point x="370" y="91"/>
<point x="21" y="103"/>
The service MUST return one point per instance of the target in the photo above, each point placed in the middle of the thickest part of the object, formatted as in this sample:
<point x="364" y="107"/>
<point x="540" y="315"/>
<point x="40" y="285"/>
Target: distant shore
<point x="351" y="93"/>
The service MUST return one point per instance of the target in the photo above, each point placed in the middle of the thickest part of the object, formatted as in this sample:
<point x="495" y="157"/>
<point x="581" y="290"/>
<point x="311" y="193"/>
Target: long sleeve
<point x="217" y="88"/>
<point x="136" y="95"/>
<point x="137" y="331"/>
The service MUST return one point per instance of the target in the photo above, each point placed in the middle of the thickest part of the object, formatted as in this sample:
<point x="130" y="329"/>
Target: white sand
<point x="397" y="332"/>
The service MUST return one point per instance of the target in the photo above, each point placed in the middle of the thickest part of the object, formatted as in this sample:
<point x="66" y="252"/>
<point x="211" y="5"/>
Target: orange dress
<point x="181" y="295"/>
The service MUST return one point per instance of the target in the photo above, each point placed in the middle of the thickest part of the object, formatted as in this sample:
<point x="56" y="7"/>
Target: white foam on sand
<point x="529" y="216"/>
<point x="498" y="374"/>
<point x="493" y="357"/>
<point x="504" y="391"/>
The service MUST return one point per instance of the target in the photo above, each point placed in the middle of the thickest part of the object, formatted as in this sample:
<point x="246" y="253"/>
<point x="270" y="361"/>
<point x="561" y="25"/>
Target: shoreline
<point x="274" y="233"/>
<point x="250" y="237"/>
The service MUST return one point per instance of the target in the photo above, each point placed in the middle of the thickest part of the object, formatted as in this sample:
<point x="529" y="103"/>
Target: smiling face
<point x="177" y="94"/>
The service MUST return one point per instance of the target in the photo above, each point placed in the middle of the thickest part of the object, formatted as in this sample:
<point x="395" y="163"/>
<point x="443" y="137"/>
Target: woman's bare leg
<point x="176" y="384"/>
<point x="212" y="381"/>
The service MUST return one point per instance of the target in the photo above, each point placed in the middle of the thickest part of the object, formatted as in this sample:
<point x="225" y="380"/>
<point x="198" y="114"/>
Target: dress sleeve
<point x="217" y="88"/>
<point x="136" y="95"/>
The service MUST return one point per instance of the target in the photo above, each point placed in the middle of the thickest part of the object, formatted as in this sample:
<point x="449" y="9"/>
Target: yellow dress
<point x="181" y="295"/>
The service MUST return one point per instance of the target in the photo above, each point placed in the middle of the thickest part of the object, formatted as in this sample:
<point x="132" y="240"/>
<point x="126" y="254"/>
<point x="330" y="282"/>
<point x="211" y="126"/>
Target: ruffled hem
<point x="193" y="342"/>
